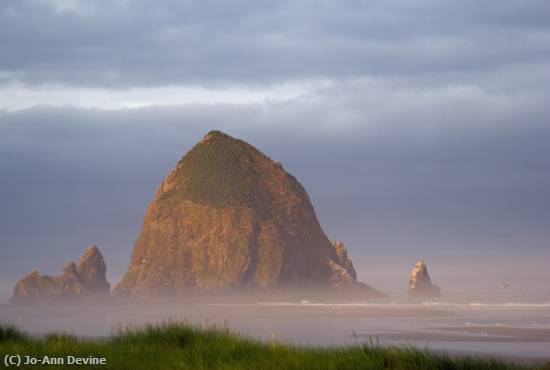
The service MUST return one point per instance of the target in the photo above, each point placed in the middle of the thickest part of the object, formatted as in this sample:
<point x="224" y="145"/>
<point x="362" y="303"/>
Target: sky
<point x="419" y="129"/>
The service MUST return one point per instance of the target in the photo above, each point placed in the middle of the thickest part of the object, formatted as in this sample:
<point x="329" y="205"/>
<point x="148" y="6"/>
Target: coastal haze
<point x="475" y="211"/>
<point x="418" y="131"/>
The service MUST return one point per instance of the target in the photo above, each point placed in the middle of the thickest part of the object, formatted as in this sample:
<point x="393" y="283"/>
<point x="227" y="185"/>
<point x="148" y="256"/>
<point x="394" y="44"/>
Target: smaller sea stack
<point x="420" y="284"/>
<point x="85" y="280"/>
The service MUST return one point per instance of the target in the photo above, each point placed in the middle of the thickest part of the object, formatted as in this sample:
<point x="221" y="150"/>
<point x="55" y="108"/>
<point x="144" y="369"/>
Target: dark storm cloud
<point x="144" y="43"/>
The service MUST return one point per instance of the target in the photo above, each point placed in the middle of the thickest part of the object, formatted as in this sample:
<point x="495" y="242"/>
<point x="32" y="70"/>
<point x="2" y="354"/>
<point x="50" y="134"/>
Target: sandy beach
<point x="521" y="332"/>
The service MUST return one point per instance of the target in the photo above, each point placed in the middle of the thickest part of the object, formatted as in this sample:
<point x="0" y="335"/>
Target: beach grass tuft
<point x="174" y="345"/>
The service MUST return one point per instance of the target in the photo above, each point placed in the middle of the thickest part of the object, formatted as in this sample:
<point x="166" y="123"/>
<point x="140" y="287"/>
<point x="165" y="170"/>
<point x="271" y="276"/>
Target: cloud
<point x="17" y="96"/>
<point x="126" y="44"/>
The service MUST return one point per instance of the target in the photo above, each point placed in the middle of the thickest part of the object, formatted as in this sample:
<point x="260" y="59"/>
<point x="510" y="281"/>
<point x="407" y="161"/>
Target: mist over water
<point x="502" y="326"/>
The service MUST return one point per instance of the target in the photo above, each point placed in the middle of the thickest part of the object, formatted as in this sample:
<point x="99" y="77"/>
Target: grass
<point x="180" y="346"/>
<point x="223" y="172"/>
<point x="218" y="172"/>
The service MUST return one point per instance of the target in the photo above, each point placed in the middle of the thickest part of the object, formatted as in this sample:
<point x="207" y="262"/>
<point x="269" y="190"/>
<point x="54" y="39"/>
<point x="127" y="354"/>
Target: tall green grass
<point x="180" y="346"/>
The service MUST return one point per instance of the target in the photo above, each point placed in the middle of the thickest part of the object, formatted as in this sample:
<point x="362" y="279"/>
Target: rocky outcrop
<point x="228" y="217"/>
<point x="420" y="284"/>
<point x="91" y="270"/>
<point x="85" y="280"/>
<point x="342" y="268"/>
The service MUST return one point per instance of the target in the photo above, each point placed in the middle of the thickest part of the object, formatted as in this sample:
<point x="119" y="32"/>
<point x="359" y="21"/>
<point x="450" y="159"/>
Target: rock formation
<point x="228" y="217"/>
<point x="343" y="271"/>
<point x="91" y="270"/>
<point x="420" y="284"/>
<point x="85" y="280"/>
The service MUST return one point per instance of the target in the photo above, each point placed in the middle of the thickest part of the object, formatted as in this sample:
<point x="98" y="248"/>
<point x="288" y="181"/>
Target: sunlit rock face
<point x="228" y="217"/>
<point x="420" y="284"/>
<point x="343" y="271"/>
<point x="82" y="281"/>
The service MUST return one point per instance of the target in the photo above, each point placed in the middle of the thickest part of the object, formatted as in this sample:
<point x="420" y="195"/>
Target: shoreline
<point x="443" y="329"/>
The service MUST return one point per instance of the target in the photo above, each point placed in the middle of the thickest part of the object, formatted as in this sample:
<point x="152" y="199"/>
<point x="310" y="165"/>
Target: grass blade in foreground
<point x="180" y="346"/>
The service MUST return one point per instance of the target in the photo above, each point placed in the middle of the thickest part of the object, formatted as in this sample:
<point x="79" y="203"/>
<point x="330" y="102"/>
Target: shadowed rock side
<point x="420" y="284"/>
<point x="85" y="280"/>
<point x="229" y="217"/>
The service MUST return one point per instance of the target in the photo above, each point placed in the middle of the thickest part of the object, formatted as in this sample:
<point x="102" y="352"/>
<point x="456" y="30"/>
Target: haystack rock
<point x="420" y="284"/>
<point x="85" y="280"/>
<point x="229" y="218"/>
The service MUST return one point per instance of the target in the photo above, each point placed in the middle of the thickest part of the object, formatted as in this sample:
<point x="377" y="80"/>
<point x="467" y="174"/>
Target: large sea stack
<point x="83" y="281"/>
<point x="229" y="218"/>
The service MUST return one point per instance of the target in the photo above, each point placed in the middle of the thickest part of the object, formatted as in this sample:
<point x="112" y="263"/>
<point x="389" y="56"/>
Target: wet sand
<point x="503" y="333"/>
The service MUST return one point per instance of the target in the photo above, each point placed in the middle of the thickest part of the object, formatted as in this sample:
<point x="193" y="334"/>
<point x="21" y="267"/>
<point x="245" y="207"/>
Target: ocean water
<point x="502" y="327"/>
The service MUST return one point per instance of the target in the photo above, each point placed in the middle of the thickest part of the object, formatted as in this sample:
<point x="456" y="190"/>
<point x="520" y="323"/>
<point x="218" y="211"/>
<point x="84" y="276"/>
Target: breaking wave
<point x="506" y="305"/>
<point x="489" y="305"/>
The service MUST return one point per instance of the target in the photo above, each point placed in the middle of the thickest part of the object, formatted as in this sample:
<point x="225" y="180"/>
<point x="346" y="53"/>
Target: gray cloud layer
<point x="144" y="43"/>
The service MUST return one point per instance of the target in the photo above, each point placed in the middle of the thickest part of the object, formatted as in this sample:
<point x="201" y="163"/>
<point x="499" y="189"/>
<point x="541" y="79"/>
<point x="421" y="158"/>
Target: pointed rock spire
<point x="420" y="283"/>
